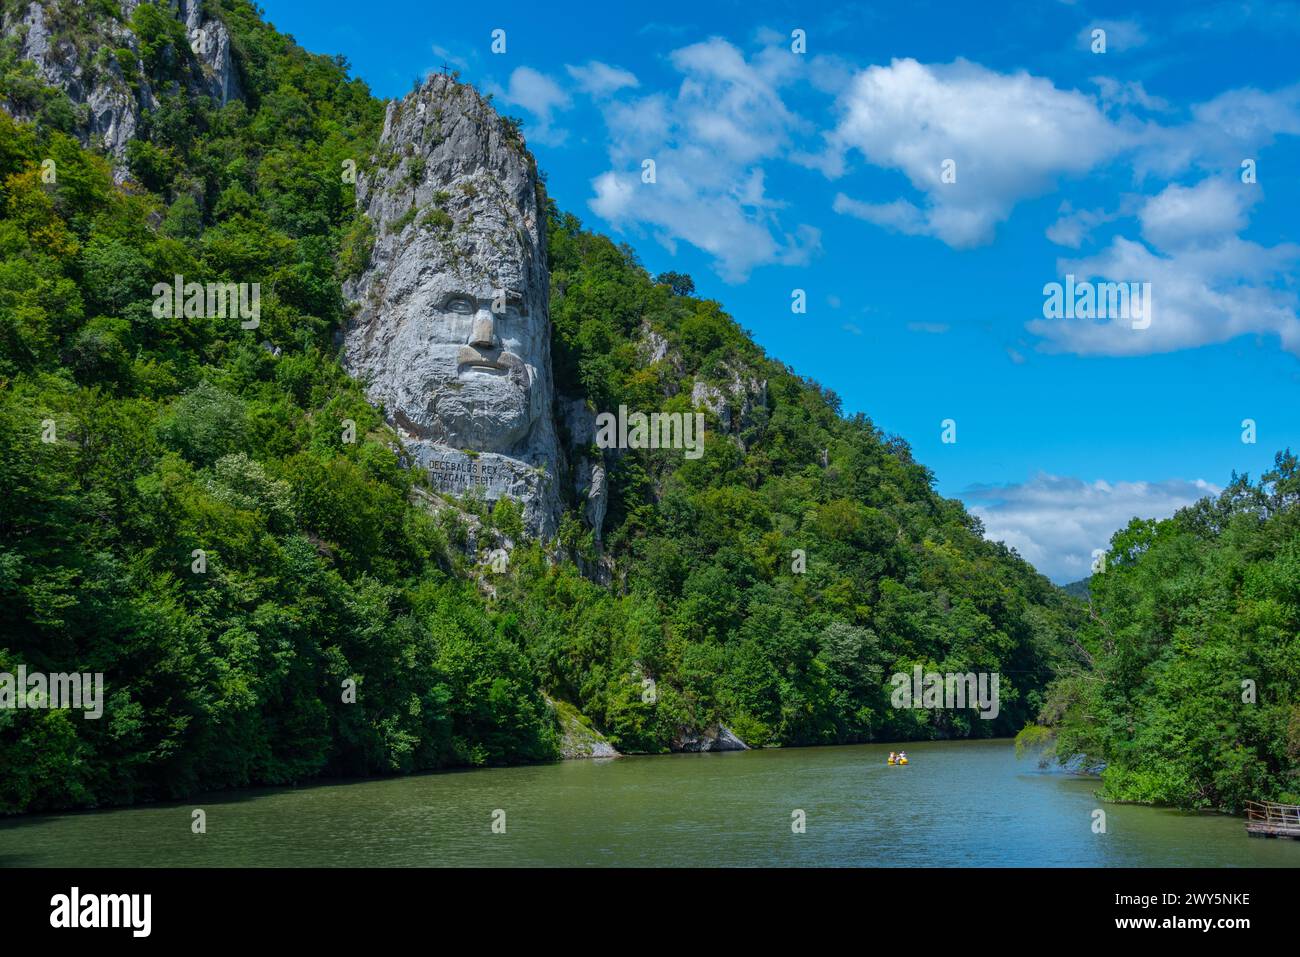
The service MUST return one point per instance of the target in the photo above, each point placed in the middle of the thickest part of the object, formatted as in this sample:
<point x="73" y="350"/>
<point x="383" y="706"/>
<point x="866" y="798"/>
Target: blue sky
<point x="825" y="171"/>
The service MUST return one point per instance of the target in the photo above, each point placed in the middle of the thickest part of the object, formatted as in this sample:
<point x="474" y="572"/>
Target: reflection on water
<point x="958" y="803"/>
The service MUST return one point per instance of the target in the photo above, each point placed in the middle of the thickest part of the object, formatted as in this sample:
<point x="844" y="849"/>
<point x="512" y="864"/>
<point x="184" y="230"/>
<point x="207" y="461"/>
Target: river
<point x="967" y="803"/>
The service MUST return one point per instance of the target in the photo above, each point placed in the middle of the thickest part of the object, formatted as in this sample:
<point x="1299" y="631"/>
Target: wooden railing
<point x="1269" y="817"/>
<point x="1273" y="813"/>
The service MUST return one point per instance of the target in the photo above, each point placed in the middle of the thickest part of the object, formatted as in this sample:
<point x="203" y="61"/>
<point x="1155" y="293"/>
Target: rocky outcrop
<point x="653" y="347"/>
<point x="579" y="738"/>
<point x="735" y="404"/>
<point x="705" y="396"/>
<point x="211" y="45"/>
<point x="594" y="494"/>
<point x="579" y="421"/>
<point x="714" y="738"/>
<point x="451" y="331"/>
<point x="95" y="60"/>
<point x="590" y="480"/>
<point x="108" y="109"/>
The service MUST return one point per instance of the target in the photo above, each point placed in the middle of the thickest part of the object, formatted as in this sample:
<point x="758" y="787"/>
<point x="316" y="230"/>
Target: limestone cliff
<point x="97" y="61"/>
<point x="451" y="331"/>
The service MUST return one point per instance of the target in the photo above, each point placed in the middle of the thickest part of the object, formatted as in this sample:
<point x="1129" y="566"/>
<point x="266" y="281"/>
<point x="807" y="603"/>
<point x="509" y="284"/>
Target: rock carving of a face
<point x="452" y="334"/>
<point x="482" y="377"/>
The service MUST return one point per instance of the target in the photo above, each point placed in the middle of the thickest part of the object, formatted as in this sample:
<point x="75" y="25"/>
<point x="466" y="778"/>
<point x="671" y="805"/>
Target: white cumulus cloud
<point x="1055" y="522"/>
<point x="1191" y="215"/>
<point x="1207" y="285"/>
<point x="708" y="143"/>
<point x="1010" y="137"/>
<point x="542" y="97"/>
<point x="1220" y="133"/>
<point x="600" y="79"/>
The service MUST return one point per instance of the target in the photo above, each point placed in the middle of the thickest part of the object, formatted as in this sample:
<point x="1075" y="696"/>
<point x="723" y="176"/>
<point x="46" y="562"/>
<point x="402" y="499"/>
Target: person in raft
<point x="902" y="757"/>
<point x="892" y="758"/>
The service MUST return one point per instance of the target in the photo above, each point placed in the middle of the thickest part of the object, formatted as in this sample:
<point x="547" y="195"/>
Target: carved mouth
<point x="493" y="362"/>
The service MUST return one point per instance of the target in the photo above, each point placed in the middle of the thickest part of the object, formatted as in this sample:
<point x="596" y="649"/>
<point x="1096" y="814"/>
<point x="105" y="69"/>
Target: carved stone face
<point x="475" y="359"/>
<point x="489" y="402"/>
<point x="452" y="334"/>
<point x="450" y="328"/>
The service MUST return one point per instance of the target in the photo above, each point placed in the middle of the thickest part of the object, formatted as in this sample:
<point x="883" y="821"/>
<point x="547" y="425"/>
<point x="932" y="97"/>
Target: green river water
<point x="968" y="803"/>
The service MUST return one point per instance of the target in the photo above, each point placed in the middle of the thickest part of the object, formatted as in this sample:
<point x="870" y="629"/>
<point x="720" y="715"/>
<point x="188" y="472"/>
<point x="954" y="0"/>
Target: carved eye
<point x="460" y="304"/>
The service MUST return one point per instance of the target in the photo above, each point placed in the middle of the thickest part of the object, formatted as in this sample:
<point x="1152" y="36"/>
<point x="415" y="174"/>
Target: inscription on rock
<point x="458" y="474"/>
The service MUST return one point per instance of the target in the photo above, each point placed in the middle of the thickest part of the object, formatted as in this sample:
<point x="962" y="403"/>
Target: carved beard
<point x="486" y="410"/>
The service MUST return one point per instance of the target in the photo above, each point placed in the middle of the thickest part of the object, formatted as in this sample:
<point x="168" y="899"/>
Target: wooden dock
<point x="1270" y="819"/>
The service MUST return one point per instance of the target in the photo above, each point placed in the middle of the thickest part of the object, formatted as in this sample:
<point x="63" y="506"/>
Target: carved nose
<point x="483" y="334"/>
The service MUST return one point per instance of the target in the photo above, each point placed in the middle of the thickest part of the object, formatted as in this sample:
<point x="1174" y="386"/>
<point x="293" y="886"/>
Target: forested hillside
<point x="323" y="564"/>
<point x="1193" y="697"/>
<point x="707" y="550"/>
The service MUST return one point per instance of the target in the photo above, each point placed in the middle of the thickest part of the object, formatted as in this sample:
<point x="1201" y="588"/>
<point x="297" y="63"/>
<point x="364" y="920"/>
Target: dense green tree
<point x="1193" y="697"/>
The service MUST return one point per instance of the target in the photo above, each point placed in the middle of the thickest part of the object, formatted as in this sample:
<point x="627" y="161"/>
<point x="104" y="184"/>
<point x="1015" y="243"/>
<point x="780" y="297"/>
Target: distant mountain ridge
<point x="1079" y="589"/>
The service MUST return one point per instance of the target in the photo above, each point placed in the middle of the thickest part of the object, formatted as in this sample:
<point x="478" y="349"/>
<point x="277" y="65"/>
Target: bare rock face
<point x="735" y="404"/>
<point x="451" y="331"/>
<point x="714" y="738"/>
<point x="109" y="112"/>
<point x="596" y="496"/>
<point x="710" y="397"/>
<point x="590" y="479"/>
<point x="109" y="108"/>
<point x="210" y="43"/>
